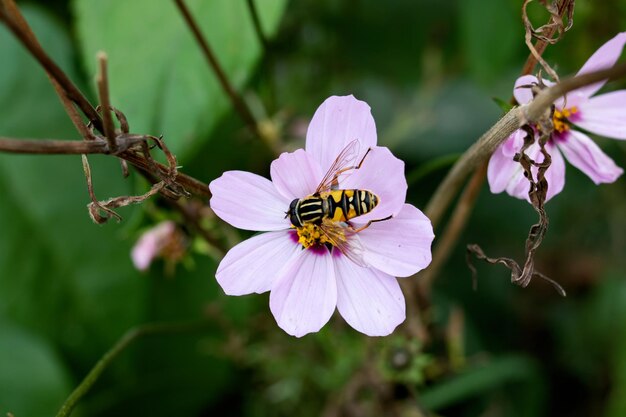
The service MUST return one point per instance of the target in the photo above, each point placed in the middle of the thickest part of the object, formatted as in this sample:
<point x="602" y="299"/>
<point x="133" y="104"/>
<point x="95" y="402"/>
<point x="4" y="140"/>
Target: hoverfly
<point x="330" y="208"/>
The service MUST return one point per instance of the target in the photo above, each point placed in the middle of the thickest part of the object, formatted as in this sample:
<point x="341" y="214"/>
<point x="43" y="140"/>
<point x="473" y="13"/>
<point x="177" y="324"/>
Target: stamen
<point x="310" y="235"/>
<point x="560" y="119"/>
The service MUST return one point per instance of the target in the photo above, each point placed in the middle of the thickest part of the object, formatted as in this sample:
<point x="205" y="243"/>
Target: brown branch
<point x="102" y="80"/>
<point x="66" y="147"/>
<point x="189" y="183"/>
<point x="234" y="97"/>
<point x="541" y="44"/>
<point x="16" y="23"/>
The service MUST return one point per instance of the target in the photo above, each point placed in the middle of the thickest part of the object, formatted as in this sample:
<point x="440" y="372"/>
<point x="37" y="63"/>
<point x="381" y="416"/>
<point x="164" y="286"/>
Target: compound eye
<point x="293" y="213"/>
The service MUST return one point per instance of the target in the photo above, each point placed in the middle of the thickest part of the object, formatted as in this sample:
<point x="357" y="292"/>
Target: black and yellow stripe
<point x="336" y="205"/>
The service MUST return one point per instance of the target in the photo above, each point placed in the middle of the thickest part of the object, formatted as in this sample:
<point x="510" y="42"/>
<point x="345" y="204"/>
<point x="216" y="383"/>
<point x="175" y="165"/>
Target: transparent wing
<point x="341" y="166"/>
<point x="344" y="239"/>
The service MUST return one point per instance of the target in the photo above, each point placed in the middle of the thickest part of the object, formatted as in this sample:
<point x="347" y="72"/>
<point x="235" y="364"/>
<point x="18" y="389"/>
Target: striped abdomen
<point x="336" y="205"/>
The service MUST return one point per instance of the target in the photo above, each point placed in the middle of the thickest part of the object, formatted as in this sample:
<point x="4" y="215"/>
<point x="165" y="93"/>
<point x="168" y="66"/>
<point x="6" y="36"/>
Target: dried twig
<point x="102" y="80"/>
<point x="537" y="193"/>
<point x="546" y="33"/>
<point x="16" y="23"/>
<point x="68" y="147"/>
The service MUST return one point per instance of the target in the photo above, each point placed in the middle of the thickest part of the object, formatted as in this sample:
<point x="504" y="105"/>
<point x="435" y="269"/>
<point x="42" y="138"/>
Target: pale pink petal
<point x="514" y="143"/>
<point x="254" y="265"/>
<point x="151" y="243"/>
<point x="337" y="122"/>
<point x="249" y="201"/>
<point x="295" y="174"/>
<point x="304" y="299"/>
<point x="369" y="300"/>
<point x="585" y="155"/>
<point x="399" y="246"/>
<point x="555" y="175"/>
<point x="603" y="58"/>
<point x="604" y="115"/>
<point x="522" y="90"/>
<point x="504" y="174"/>
<point x="383" y="174"/>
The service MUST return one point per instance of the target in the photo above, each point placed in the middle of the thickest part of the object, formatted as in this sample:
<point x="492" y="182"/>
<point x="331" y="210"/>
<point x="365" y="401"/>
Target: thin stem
<point x="454" y="227"/>
<point x="126" y="340"/>
<point x="100" y="146"/>
<point x="189" y="183"/>
<point x="16" y="23"/>
<point x="102" y="80"/>
<point x="234" y="97"/>
<point x="65" y="147"/>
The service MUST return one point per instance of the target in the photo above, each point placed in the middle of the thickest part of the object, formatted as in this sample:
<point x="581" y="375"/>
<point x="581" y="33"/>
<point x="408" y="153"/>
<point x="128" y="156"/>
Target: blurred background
<point x="430" y="70"/>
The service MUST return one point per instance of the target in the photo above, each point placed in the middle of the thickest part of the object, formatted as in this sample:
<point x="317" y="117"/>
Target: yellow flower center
<point x="311" y="235"/>
<point x="560" y="119"/>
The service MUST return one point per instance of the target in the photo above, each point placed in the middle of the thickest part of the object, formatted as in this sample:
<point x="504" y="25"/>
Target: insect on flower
<point x="322" y="218"/>
<point x="325" y="245"/>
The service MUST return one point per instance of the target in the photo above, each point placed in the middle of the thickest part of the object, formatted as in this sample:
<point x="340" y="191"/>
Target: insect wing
<point x="344" y="162"/>
<point x="344" y="239"/>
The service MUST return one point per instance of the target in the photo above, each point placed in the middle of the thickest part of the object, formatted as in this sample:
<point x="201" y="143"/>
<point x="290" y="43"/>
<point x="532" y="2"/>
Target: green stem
<point x="126" y="340"/>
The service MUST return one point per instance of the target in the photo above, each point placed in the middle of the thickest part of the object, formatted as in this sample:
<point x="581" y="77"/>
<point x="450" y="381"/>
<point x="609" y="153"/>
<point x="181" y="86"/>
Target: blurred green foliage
<point x="430" y="71"/>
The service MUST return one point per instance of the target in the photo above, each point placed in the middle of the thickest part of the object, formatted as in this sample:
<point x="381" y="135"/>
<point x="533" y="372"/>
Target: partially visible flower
<point x="163" y="240"/>
<point x="603" y="114"/>
<point x="307" y="283"/>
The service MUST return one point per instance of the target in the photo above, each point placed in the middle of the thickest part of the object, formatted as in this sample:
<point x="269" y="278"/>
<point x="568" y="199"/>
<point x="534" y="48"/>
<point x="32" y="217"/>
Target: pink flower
<point x="604" y="115"/>
<point x="306" y="284"/>
<point x="164" y="240"/>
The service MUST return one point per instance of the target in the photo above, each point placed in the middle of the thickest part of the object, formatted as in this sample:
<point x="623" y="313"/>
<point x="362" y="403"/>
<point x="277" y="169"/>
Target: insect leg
<point x="368" y="224"/>
<point x="335" y="181"/>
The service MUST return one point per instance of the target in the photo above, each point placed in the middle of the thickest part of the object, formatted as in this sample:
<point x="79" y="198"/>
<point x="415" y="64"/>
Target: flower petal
<point x="399" y="246"/>
<point x="383" y="174"/>
<point x="555" y="175"/>
<point x="522" y="90"/>
<point x="504" y="174"/>
<point x="305" y="297"/>
<point x="604" y="115"/>
<point x="337" y="122"/>
<point x="605" y="57"/>
<point x="254" y="265"/>
<point x="585" y="155"/>
<point x="249" y="201"/>
<point x="369" y="300"/>
<point x="295" y="174"/>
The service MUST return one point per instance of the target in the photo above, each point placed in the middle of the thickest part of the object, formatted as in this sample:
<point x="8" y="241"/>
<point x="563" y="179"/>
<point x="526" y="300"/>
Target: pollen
<point x="560" y="119"/>
<point x="311" y="235"/>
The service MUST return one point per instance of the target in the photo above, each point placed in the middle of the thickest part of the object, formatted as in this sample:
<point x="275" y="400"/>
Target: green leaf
<point x="33" y="382"/>
<point x="505" y="106"/>
<point x="158" y="75"/>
